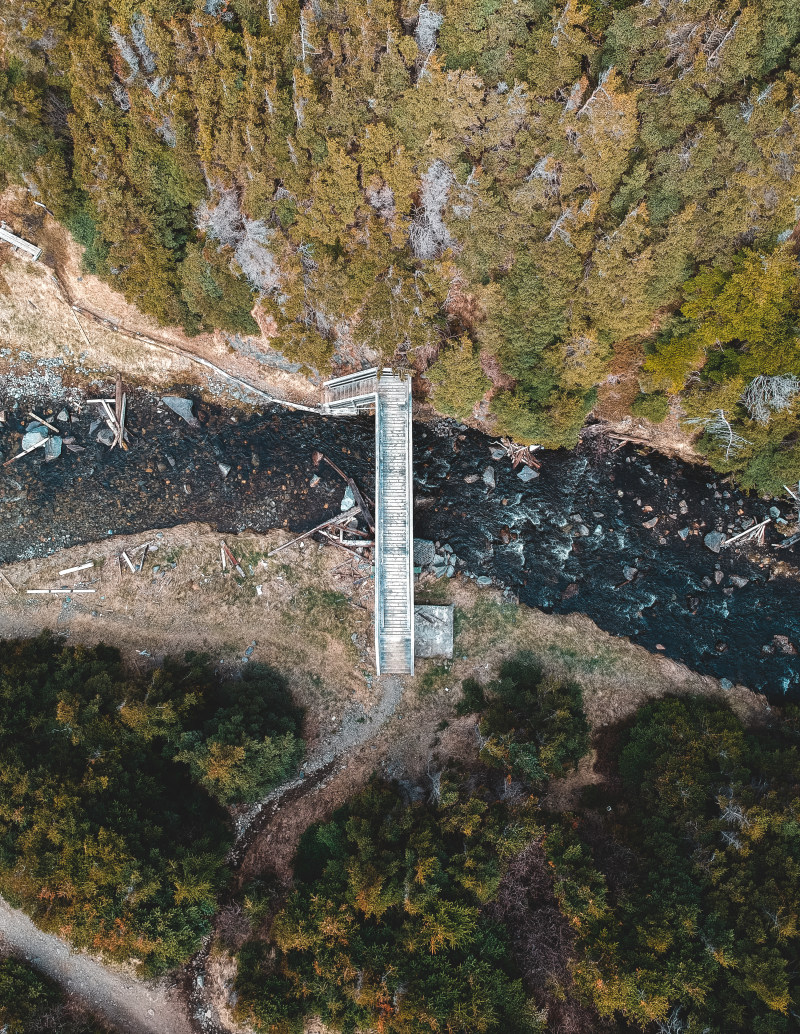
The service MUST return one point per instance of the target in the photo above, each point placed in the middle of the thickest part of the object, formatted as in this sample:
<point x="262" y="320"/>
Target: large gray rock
<point x="713" y="541"/>
<point x="33" y="435"/>
<point x="488" y="477"/>
<point x="52" y="449"/>
<point x="183" y="408"/>
<point x="348" y="500"/>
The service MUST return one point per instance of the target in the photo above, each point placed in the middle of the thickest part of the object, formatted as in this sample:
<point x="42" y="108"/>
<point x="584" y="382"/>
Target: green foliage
<point x="703" y="919"/>
<point x="104" y="834"/>
<point x="653" y="407"/>
<point x="458" y="381"/>
<point x="531" y="725"/>
<point x="31" y="1003"/>
<point x="385" y="926"/>
<point x="230" y="756"/>
<point x="541" y="176"/>
<point x="24" y="995"/>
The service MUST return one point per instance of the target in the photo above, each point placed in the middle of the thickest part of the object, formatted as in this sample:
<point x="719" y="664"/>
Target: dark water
<point x="561" y="542"/>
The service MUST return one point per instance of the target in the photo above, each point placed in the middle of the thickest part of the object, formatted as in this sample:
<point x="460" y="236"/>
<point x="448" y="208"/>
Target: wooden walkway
<point x="394" y="507"/>
<point x="394" y="531"/>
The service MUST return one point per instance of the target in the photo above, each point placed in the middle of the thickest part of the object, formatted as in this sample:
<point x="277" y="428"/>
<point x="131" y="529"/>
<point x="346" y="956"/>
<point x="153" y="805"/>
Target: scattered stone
<point x="187" y="489"/>
<point x="63" y="417"/>
<point x="94" y="425"/>
<point x="488" y="477"/>
<point x="527" y="474"/>
<point x="784" y="644"/>
<point x="739" y="582"/>
<point x="725" y="684"/>
<point x="683" y="506"/>
<point x="747" y="522"/>
<point x="255" y="459"/>
<point x="106" y="436"/>
<point x="483" y="581"/>
<point x="183" y="408"/>
<point x="249" y="651"/>
<point x="225" y="469"/>
<point x="583" y="531"/>
<point x="313" y="482"/>
<point x="470" y="479"/>
<point x="169" y="459"/>
<point x="651" y="523"/>
<point x="713" y="541"/>
<point x="348" y="500"/>
<point x="630" y="572"/>
<point x="498" y="454"/>
<point x="161" y="467"/>
<point x="774" y="512"/>
<point x="718" y="576"/>
<point x="447" y="548"/>
<point x="683" y="534"/>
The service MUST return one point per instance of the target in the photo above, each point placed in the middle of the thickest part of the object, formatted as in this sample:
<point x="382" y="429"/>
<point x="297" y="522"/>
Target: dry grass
<point x="35" y="319"/>
<point x="303" y="622"/>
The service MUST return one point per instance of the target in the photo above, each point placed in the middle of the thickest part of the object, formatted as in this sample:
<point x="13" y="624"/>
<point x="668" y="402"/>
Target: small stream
<point x="573" y="539"/>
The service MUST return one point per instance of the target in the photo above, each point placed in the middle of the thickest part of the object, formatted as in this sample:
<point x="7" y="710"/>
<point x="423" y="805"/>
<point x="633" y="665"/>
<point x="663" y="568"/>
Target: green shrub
<point x="653" y="406"/>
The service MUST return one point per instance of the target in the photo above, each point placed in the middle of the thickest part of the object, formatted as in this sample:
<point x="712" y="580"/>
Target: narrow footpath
<point x="129" y="1005"/>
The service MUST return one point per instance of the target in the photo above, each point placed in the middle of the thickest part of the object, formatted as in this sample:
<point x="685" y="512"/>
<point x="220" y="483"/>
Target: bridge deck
<point x="394" y="533"/>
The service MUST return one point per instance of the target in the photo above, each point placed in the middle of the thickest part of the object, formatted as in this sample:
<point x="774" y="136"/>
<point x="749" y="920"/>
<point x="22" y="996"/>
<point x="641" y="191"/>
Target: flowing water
<point x="573" y="539"/>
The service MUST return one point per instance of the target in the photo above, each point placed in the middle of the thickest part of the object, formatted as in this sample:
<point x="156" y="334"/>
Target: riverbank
<point x="611" y="533"/>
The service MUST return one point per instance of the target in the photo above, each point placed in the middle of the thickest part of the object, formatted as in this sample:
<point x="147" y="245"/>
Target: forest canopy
<point x="537" y="188"/>
<point x="112" y="829"/>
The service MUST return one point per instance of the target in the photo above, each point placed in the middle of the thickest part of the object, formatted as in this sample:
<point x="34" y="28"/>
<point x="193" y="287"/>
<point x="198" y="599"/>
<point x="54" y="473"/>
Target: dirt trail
<point x="130" y="1005"/>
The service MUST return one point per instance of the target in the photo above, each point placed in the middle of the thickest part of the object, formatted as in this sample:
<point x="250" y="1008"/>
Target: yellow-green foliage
<point x="458" y="381"/>
<point x="356" y="169"/>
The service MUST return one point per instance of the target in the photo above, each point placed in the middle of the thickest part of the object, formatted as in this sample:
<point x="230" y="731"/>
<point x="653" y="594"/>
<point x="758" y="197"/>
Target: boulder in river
<point x="713" y="541"/>
<point x="52" y="449"/>
<point x="34" y="433"/>
<point x="183" y="408"/>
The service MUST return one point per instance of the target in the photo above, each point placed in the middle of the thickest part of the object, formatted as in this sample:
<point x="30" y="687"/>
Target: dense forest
<point x="521" y="195"/>
<point x="112" y="786"/>
<point x="667" y="902"/>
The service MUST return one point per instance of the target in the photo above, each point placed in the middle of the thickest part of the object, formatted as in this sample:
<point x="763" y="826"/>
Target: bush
<point x="533" y="725"/>
<point x="458" y="380"/>
<point x="653" y="406"/>
<point x="24" y="996"/>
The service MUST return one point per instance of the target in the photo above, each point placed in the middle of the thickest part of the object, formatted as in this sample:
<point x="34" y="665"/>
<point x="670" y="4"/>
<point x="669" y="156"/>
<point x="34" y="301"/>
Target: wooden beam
<point x="325" y="524"/>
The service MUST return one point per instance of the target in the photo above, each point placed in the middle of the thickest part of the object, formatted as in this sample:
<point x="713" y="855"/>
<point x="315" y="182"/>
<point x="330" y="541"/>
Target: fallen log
<point x="41" y="420"/>
<point x="80" y="567"/>
<point x="234" y="562"/>
<point x="7" y="582"/>
<point x="353" y="512"/>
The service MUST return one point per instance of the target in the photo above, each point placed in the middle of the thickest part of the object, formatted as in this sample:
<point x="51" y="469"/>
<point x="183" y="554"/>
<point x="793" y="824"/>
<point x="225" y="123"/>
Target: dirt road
<point x="132" y="1006"/>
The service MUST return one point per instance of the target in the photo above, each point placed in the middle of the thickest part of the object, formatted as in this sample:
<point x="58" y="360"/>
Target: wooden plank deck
<point x="394" y="535"/>
<point x="394" y="507"/>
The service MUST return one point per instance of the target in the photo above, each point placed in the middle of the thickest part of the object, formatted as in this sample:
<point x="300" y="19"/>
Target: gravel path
<point x="132" y="1006"/>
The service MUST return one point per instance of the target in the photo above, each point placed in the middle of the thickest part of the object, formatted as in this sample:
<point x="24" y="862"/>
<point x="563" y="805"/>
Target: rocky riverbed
<point x="620" y="536"/>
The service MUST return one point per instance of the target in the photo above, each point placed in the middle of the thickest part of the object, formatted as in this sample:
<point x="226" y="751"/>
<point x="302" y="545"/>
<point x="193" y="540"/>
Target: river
<point x="573" y="539"/>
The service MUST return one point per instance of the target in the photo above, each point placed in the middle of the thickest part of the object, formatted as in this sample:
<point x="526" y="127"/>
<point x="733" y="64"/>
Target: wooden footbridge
<point x="390" y="396"/>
